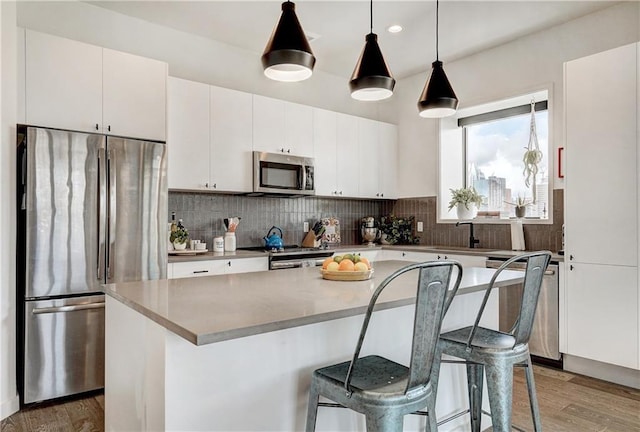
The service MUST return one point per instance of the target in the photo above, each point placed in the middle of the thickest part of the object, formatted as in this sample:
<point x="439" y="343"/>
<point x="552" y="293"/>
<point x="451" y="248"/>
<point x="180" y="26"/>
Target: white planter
<point x="179" y="246"/>
<point x="466" y="214"/>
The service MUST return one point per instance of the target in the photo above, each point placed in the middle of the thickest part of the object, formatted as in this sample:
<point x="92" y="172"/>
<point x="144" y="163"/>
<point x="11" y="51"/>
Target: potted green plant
<point x="179" y="238"/>
<point x="520" y="206"/>
<point x="466" y="201"/>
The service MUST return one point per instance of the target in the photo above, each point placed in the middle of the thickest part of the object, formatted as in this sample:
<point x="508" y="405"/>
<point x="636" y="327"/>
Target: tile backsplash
<point x="203" y="215"/>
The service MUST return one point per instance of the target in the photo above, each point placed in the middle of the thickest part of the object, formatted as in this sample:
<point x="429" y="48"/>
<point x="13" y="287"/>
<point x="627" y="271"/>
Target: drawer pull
<point x="200" y="271"/>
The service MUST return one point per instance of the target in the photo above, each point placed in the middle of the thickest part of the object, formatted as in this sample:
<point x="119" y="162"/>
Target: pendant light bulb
<point x="287" y="56"/>
<point x="438" y="98"/>
<point x="371" y="79"/>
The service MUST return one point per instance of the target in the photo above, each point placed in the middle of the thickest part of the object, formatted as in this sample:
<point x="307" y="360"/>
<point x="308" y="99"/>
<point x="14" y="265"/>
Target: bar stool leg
<point x="533" y="398"/>
<point x="432" y="422"/>
<point x="312" y="410"/>
<point x="500" y="389"/>
<point x="474" y="382"/>
<point x="388" y="422"/>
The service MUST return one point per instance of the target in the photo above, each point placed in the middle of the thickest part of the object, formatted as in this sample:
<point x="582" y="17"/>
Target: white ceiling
<point x="466" y="27"/>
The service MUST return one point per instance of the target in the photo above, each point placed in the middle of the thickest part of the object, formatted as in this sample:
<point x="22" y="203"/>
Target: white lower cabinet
<point x="602" y="313"/>
<point x="398" y="255"/>
<point x="217" y="267"/>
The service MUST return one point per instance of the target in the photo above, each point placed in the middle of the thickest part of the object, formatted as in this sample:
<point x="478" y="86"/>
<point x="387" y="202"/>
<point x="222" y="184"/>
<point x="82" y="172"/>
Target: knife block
<point x="310" y="240"/>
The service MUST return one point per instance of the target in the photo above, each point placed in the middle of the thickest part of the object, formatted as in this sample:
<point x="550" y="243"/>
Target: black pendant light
<point x="438" y="98"/>
<point x="288" y="56"/>
<point x="371" y="79"/>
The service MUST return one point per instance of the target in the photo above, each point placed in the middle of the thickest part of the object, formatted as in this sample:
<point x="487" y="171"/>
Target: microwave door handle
<point x="303" y="184"/>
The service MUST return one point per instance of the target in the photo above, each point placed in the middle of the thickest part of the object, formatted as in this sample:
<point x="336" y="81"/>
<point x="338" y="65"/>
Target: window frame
<point x="452" y="149"/>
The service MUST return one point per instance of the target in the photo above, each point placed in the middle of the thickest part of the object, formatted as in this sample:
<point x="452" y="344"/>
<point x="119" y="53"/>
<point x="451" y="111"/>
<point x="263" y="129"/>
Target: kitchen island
<point x="236" y="352"/>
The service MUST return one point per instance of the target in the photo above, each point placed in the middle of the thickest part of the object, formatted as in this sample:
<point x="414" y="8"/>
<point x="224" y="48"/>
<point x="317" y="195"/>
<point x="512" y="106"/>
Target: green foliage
<point x="180" y="235"/>
<point x="464" y="196"/>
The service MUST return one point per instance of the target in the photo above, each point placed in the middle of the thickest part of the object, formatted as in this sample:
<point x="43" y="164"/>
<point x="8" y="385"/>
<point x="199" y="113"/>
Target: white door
<point x="602" y="313"/>
<point x="134" y="95"/>
<point x="298" y="129"/>
<point x="388" y="160"/>
<point x="601" y="216"/>
<point x="347" y="162"/>
<point x="268" y="124"/>
<point x="63" y="83"/>
<point x="368" y="147"/>
<point x="324" y="151"/>
<point x="231" y="140"/>
<point x="188" y="134"/>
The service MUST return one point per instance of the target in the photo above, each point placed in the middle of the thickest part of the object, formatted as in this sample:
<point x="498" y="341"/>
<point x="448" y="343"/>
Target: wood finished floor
<point x="568" y="403"/>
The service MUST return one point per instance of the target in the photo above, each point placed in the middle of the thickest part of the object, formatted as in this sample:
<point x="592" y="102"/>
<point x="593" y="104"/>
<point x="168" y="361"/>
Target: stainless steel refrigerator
<point x="92" y="209"/>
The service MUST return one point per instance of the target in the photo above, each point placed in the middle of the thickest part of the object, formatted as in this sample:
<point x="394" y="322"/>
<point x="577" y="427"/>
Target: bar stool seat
<point x="494" y="353"/>
<point x="381" y="389"/>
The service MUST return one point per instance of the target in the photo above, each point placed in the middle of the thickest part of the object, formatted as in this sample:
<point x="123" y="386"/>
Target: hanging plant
<point x="532" y="156"/>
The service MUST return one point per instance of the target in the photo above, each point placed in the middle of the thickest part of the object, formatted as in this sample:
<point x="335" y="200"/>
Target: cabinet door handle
<point x="438" y="256"/>
<point x="382" y="194"/>
<point x="229" y="263"/>
<point x="206" y="185"/>
<point x="97" y="126"/>
<point x="571" y="257"/>
<point x="215" y="186"/>
<point x="200" y="271"/>
<point x="403" y="254"/>
<point x="109" y="128"/>
<point x="571" y="267"/>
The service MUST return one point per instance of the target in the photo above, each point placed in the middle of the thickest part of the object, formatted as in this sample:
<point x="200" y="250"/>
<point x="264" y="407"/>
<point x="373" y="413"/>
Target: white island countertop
<point x="211" y="309"/>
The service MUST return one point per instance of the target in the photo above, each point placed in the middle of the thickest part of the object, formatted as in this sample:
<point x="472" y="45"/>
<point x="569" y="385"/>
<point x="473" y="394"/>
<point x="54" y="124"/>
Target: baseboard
<point x="9" y="407"/>
<point x="604" y="371"/>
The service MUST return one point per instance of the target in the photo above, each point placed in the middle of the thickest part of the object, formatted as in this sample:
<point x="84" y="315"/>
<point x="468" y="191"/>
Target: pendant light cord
<point x="437" y="14"/>
<point x="371" y="15"/>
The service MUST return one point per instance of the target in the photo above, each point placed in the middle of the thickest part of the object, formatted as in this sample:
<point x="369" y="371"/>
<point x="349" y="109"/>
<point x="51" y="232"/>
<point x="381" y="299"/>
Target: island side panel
<point x="134" y="370"/>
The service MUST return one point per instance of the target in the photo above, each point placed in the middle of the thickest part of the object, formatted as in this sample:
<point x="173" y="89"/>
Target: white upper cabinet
<point x="188" y="134"/>
<point x="368" y="157"/>
<point x="134" y="95"/>
<point x="77" y="86"/>
<point x="282" y="127"/>
<point x="347" y="162"/>
<point x="601" y="158"/>
<point x="388" y="160"/>
<point x="324" y="152"/>
<point x="231" y="140"/>
<point x="63" y="80"/>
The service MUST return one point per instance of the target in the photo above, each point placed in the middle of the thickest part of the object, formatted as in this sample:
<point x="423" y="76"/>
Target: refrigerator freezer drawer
<point x="64" y="347"/>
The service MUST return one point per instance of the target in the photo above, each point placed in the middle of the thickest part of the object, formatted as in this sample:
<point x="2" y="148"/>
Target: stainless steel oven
<point x="544" y="343"/>
<point x="275" y="173"/>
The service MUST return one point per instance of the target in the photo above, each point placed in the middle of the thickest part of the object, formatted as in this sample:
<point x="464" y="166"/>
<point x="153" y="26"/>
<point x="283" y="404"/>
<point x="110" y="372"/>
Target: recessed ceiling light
<point x="394" y="28"/>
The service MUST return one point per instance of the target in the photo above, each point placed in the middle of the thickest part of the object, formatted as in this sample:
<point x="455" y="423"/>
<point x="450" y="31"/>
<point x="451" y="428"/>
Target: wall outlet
<point x="306" y="227"/>
<point x="420" y="227"/>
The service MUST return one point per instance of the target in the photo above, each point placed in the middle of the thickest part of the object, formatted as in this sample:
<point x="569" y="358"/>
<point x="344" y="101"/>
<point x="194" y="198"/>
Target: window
<point x="491" y="145"/>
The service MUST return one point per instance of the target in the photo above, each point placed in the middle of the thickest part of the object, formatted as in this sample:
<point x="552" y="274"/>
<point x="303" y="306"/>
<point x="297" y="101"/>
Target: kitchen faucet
<point x="472" y="240"/>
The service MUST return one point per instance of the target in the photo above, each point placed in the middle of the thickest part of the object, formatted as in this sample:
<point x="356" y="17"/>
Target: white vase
<point x="465" y="213"/>
<point x="179" y="246"/>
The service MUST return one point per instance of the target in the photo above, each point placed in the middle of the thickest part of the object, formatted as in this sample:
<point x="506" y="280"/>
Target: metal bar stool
<point x="495" y="353"/>
<point x="381" y="389"/>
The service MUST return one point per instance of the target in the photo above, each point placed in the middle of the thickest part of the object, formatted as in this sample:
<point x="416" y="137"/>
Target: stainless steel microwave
<point x="282" y="174"/>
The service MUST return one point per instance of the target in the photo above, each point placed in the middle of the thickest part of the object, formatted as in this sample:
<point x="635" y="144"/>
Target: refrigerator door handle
<point x="113" y="194"/>
<point x="102" y="203"/>
<point x="71" y="308"/>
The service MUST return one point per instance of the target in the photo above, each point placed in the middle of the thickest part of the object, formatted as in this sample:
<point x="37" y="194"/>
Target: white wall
<point x="8" y="395"/>
<point x="192" y="57"/>
<point x="508" y="70"/>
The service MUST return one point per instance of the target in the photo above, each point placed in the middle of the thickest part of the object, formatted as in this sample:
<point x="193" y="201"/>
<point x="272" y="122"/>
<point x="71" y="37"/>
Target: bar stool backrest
<point x="434" y="293"/>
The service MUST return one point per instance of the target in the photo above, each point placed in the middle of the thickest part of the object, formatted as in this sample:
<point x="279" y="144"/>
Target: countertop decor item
<point x="520" y="205"/>
<point x="179" y="237"/>
<point x="331" y="233"/>
<point x="371" y="79"/>
<point x="338" y="275"/>
<point x="188" y="252"/>
<point x="438" y="98"/>
<point x="466" y="201"/>
<point x="397" y="230"/>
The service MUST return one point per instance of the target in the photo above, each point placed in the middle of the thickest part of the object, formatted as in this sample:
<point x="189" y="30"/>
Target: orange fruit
<point x="361" y="267"/>
<point x="326" y="262"/>
<point x="346" y="265"/>
<point x="366" y="261"/>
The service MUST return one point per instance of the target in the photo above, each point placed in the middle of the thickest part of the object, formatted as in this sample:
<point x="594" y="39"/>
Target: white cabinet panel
<point x="63" y="83"/>
<point x="368" y="158"/>
<point x="347" y="162"/>
<point x="247" y="265"/>
<point x="602" y="313"/>
<point x="199" y="268"/>
<point x="268" y="124"/>
<point x="388" y="160"/>
<point x="298" y="129"/>
<point x="188" y="134"/>
<point x="134" y="95"/>
<point x="231" y="140"/>
<point x="324" y="150"/>
<point x="601" y="221"/>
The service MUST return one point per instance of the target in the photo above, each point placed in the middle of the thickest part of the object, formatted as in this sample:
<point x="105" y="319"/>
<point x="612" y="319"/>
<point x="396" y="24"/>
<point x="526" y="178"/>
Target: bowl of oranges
<point x="347" y="267"/>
